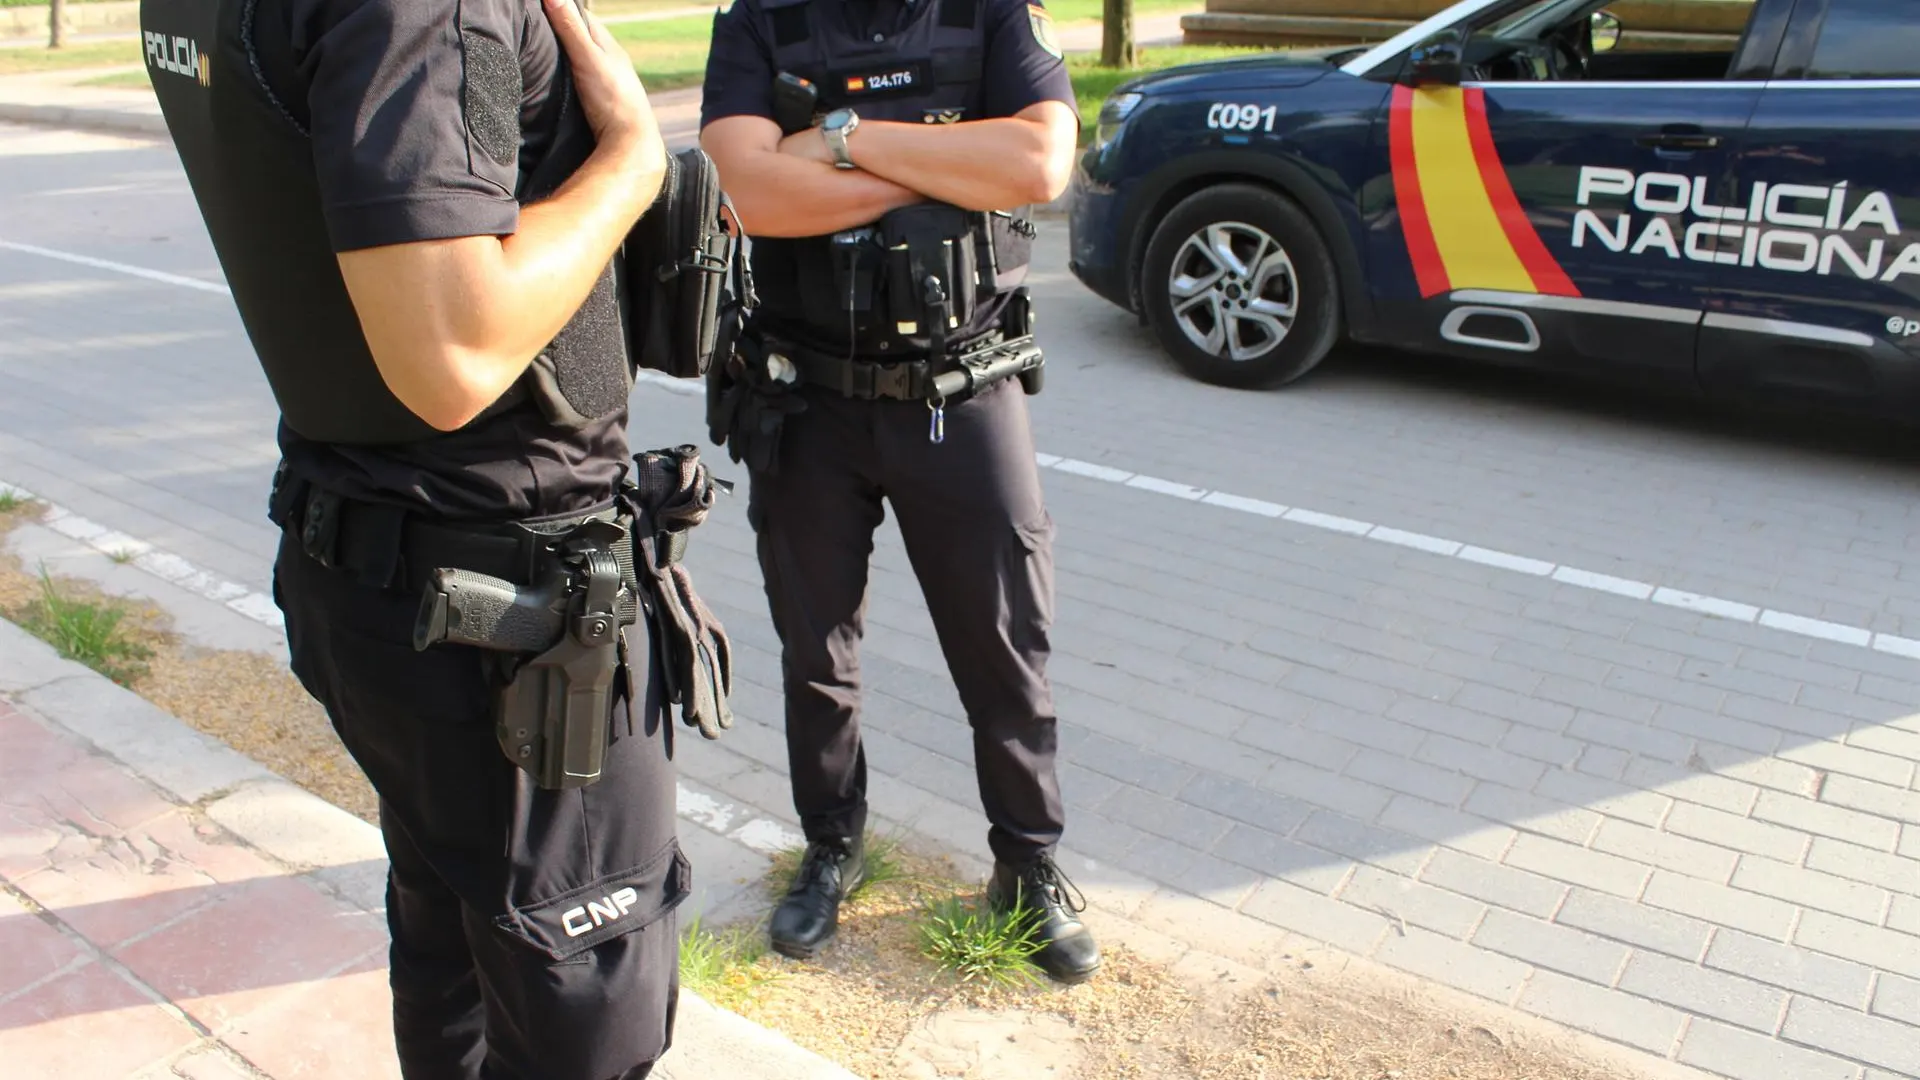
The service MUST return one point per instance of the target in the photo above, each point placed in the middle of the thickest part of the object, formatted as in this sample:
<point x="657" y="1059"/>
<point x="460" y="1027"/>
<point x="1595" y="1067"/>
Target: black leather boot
<point x="807" y="919"/>
<point x="1068" y="952"/>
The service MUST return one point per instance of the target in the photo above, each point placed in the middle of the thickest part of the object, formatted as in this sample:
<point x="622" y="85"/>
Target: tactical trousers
<point x="496" y="887"/>
<point x="979" y="538"/>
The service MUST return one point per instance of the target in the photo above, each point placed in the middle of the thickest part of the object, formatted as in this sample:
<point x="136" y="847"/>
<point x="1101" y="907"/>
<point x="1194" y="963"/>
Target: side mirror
<point x="1605" y="30"/>
<point x="1437" y="60"/>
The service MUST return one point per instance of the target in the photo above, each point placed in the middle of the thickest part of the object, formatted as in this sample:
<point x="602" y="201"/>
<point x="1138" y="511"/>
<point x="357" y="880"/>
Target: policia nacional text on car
<point x="876" y="151"/>
<point x="429" y="213"/>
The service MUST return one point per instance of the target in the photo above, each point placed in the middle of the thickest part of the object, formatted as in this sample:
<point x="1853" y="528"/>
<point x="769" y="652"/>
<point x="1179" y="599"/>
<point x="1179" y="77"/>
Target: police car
<point x="1522" y="181"/>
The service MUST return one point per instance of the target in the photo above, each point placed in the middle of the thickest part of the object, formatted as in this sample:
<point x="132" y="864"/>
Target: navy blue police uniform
<point x="533" y="929"/>
<point x="849" y="414"/>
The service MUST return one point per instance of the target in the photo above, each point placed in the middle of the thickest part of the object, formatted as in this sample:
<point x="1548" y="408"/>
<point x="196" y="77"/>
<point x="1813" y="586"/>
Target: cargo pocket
<point x="1029" y="584"/>
<point x="567" y="925"/>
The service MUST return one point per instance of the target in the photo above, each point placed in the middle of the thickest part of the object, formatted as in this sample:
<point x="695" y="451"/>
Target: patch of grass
<point x="668" y="53"/>
<point x="978" y="944"/>
<point x="1071" y="11"/>
<point x="9" y="502"/>
<point x="884" y="864"/>
<point x="724" y="966"/>
<point x="22" y="60"/>
<point x="1093" y="84"/>
<point x="122" y="556"/>
<point x="92" y="632"/>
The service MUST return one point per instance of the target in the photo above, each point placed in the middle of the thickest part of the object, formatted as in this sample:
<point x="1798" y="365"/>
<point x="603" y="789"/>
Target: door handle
<point x="1678" y="140"/>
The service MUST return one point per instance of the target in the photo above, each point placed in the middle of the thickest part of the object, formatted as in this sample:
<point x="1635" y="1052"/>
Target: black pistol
<point x="793" y="101"/>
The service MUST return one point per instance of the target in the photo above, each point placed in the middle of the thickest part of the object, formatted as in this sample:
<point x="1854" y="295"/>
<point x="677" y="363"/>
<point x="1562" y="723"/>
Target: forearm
<point x="451" y="346"/>
<point x="996" y="164"/>
<point x="780" y="195"/>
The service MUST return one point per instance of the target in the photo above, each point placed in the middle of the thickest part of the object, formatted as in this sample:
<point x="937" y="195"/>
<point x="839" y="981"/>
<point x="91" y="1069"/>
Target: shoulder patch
<point x="1042" y="23"/>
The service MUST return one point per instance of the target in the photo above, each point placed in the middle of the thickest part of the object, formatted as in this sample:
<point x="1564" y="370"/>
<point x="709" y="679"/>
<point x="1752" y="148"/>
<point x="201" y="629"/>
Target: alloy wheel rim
<point x="1233" y="291"/>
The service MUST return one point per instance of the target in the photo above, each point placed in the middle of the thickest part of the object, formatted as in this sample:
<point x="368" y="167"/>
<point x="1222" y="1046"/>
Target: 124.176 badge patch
<point x="1042" y="22"/>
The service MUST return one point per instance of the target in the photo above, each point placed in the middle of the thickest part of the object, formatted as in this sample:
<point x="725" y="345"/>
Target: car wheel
<point x="1239" y="288"/>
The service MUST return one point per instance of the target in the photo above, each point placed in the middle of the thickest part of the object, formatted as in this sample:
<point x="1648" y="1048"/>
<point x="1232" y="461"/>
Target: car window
<point x="1868" y="39"/>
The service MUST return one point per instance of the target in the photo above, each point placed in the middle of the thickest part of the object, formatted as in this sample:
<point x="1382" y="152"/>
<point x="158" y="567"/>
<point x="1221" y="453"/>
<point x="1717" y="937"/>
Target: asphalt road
<point x="1443" y="687"/>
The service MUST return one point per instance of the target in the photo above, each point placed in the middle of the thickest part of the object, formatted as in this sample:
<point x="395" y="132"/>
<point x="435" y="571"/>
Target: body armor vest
<point x="929" y="71"/>
<point x="249" y="161"/>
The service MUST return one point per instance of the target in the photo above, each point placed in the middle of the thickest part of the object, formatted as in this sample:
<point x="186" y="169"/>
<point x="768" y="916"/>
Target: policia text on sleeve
<point x="496" y="613"/>
<point x="889" y="359"/>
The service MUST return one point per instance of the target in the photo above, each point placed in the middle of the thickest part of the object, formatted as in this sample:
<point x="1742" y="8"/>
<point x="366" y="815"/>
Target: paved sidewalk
<point x="169" y="909"/>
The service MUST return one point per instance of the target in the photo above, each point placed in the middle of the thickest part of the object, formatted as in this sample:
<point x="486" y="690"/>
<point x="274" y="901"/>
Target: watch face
<point x="838" y="119"/>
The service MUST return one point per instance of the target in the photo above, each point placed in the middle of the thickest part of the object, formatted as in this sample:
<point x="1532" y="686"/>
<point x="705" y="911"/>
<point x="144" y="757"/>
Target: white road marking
<point x="118" y="267"/>
<point x="248" y="602"/>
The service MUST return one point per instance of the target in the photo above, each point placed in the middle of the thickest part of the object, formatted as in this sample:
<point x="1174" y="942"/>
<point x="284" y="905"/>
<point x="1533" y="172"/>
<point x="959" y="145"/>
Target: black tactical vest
<point x="928" y="71"/>
<point x="249" y="161"/>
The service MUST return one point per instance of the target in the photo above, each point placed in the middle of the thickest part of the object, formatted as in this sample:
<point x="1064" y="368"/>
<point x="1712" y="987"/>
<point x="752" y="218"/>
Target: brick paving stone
<point x="1897" y="999"/>
<point x="1810" y="888"/>
<point x="1847" y="760"/>
<point x="342" y="1027"/>
<point x="1603" y="796"/>
<point x="1502" y="886"/>
<point x="1876" y="1041"/>
<point x="1524" y="810"/>
<point x="1823" y="819"/>
<point x="1446" y="826"/>
<point x="1745" y="1055"/>
<point x="1703" y="991"/>
<point x="1893" y="872"/>
<point x="1418" y="905"/>
<point x="1666" y="850"/>
<point x="1358" y="840"/>
<point x="1792" y="968"/>
<point x="1738" y="832"/>
<point x="1316" y="916"/>
<point x="1635" y="924"/>
<point x="1453" y="963"/>
<point x="1720" y="904"/>
<point x="211" y="1064"/>
<point x="1649" y="1026"/>
<point x="1426" y="781"/>
<point x="1553" y="947"/>
<point x="1871" y="798"/>
<point x="1326" y="789"/>
<point x="1244" y="802"/>
<point x="234" y="956"/>
<point x="1275" y="856"/>
<point x="86" y="1023"/>
<point x="1736" y="764"/>
<point x="1578" y="866"/>
<point x="1863" y="943"/>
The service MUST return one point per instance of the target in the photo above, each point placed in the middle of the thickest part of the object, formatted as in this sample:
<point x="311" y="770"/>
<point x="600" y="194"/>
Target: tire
<point x="1248" y="348"/>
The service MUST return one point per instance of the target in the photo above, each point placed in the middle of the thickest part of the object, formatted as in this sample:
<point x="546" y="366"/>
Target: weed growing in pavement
<point x="723" y="966"/>
<point x="121" y="556"/>
<point x="979" y="944"/>
<point x="9" y="502"/>
<point x="89" y="632"/>
<point x="883" y="863"/>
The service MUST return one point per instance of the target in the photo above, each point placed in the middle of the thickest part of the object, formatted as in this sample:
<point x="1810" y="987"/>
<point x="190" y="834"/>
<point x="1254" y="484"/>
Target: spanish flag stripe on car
<point x="1464" y="228"/>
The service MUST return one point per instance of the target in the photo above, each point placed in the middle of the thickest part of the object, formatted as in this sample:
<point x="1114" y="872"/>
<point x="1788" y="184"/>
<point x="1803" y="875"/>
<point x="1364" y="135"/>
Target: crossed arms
<point x="790" y="187"/>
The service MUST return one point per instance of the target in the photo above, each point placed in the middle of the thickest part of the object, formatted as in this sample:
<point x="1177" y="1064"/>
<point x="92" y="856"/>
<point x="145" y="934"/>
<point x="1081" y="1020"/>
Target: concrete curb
<point x="112" y="121"/>
<point x="316" y="839"/>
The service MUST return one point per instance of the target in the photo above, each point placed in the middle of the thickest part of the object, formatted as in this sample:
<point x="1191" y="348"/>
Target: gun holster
<point x="552" y="715"/>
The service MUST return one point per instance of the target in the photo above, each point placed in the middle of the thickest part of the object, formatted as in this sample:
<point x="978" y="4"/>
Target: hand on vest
<point x="610" y="92"/>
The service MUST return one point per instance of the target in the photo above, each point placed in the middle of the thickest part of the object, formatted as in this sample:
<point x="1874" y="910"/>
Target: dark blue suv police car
<point x="1520" y="180"/>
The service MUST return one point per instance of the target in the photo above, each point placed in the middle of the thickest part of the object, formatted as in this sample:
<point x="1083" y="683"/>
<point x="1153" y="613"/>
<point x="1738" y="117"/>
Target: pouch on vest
<point x="923" y="241"/>
<point x="690" y="287"/>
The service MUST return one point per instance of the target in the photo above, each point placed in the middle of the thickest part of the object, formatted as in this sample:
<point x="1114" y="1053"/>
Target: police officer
<point x="417" y="204"/>
<point x="881" y="154"/>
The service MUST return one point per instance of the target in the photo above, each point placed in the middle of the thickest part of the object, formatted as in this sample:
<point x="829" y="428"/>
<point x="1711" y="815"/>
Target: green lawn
<point x="121" y="79"/>
<point x="1070" y="11"/>
<point x="20" y="60"/>
<point x="1093" y="83"/>
<point x="669" y="53"/>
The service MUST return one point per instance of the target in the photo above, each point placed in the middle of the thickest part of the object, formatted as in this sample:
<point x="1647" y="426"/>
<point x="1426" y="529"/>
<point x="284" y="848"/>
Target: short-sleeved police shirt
<point x="426" y="116"/>
<point x="1017" y="72"/>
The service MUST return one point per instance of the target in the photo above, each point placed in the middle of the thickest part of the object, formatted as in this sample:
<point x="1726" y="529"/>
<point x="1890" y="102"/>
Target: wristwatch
<point x="835" y="128"/>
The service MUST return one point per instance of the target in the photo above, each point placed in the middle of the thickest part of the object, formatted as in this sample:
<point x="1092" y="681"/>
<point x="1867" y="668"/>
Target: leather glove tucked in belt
<point x="673" y="491"/>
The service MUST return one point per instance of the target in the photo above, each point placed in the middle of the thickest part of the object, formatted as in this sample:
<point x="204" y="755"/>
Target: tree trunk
<point x="1116" y="35"/>
<point x="56" y="24"/>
